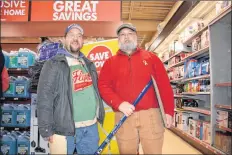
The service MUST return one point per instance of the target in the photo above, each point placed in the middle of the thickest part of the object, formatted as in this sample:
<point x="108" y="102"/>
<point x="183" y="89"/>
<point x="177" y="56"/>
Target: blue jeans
<point x="85" y="140"/>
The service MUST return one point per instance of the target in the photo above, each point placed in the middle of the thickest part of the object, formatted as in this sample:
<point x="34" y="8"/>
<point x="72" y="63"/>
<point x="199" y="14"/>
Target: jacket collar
<point x="124" y="54"/>
<point x="62" y="57"/>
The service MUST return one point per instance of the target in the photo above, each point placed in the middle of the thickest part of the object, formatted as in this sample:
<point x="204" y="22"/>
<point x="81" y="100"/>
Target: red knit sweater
<point x="123" y="77"/>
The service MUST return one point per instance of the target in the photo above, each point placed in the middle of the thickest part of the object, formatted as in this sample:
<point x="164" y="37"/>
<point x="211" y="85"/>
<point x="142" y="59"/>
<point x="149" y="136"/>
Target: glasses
<point x="123" y="35"/>
<point x="71" y="35"/>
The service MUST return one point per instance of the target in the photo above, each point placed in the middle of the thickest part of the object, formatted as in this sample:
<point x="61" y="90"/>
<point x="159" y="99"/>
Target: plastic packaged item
<point x="23" y="145"/>
<point x="8" y="117"/>
<point x="206" y="134"/>
<point x="11" y="90"/>
<point x="8" y="144"/>
<point x="26" y="58"/>
<point x="23" y="115"/>
<point x="48" y="50"/>
<point x="13" y="59"/>
<point x="22" y="87"/>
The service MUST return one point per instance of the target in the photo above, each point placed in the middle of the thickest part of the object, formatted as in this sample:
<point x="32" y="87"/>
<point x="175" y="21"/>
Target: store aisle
<point x="175" y="145"/>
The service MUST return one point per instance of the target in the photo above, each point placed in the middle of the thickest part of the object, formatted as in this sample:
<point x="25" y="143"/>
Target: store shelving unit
<point x="202" y="146"/>
<point x="220" y="54"/>
<point x="223" y="106"/>
<point x="223" y="128"/>
<point x="196" y="93"/>
<point x="199" y="110"/>
<point x="223" y="84"/>
<point x="198" y="53"/>
<point x="219" y="96"/>
<point x="189" y="40"/>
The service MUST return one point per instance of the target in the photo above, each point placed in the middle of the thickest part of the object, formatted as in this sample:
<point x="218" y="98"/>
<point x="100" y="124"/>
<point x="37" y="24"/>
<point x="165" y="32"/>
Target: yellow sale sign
<point x="99" y="52"/>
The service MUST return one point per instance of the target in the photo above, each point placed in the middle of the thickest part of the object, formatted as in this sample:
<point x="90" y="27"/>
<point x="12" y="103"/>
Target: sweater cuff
<point x="115" y="104"/>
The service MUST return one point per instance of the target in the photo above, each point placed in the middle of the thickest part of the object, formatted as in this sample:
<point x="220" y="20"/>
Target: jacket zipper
<point x="71" y="98"/>
<point x="131" y="81"/>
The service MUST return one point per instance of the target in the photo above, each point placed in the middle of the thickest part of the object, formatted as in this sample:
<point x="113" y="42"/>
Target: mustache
<point x="128" y="46"/>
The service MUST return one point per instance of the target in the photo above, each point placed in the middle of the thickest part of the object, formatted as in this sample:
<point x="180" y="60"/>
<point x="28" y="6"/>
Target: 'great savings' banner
<point x="14" y="10"/>
<point x="99" y="52"/>
<point x="76" y="10"/>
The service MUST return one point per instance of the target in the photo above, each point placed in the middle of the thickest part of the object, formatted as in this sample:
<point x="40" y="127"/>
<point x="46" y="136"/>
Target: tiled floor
<point x="175" y="145"/>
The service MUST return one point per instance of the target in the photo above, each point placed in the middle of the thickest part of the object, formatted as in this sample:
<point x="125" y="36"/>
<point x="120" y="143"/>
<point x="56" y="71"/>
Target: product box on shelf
<point x="205" y="39"/>
<point x="170" y="74"/>
<point x="189" y="68"/>
<point x="199" y="129"/>
<point x="176" y="73"/>
<point x="181" y="71"/>
<point x="172" y="46"/>
<point x="196" y="44"/>
<point x="192" y="127"/>
<point x="197" y="25"/>
<point x="180" y="47"/>
<point x="224" y="118"/>
<point x="174" y="119"/>
<point x="221" y="5"/>
<point x="206" y="135"/>
<point x="185" y="121"/>
<point x="179" y="103"/>
<point x="222" y="141"/>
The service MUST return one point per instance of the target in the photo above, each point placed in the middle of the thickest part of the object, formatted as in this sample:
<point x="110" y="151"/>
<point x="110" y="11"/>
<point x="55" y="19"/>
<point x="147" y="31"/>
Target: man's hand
<point x="49" y="139"/>
<point x="126" y="108"/>
<point x="169" y="120"/>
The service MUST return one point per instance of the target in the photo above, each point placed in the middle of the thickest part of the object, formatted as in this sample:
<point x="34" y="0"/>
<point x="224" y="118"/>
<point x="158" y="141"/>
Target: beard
<point x="73" y="49"/>
<point x="131" y="46"/>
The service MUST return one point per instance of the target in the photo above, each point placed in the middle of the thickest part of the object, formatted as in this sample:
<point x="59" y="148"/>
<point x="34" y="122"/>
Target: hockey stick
<point x="113" y="132"/>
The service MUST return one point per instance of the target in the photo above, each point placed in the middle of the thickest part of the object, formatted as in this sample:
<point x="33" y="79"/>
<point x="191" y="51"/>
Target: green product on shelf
<point x="13" y="61"/>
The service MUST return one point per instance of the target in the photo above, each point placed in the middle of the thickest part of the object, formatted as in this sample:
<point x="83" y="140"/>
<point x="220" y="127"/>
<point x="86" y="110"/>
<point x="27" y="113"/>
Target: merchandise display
<point x="192" y="73"/>
<point x="15" y="111"/>
<point x="196" y="54"/>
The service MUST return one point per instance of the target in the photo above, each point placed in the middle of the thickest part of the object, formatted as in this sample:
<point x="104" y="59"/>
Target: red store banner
<point x="14" y="10"/>
<point x="76" y="10"/>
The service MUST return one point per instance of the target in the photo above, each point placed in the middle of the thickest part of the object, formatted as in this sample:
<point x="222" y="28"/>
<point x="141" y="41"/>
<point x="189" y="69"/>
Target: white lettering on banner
<point x="72" y="10"/>
<point x="13" y="8"/>
<point x="13" y="4"/>
<point x="14" y="12"/>
<point x="99" y="58"/>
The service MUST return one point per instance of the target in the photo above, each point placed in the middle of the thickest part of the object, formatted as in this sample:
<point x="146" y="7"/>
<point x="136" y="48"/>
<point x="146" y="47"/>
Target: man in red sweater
<point x="121" y="80"/>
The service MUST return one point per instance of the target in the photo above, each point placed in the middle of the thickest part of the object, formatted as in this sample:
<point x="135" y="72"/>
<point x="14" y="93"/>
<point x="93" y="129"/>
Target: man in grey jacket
<point x="69" y="104"/>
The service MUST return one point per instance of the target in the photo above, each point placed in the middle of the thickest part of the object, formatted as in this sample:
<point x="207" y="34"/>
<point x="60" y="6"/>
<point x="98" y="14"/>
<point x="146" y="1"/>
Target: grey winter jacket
<point x="54" y="96"/>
